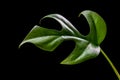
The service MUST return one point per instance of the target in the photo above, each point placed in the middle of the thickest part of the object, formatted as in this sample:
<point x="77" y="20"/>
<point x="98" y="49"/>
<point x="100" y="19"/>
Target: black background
<point x="31" y="62"/>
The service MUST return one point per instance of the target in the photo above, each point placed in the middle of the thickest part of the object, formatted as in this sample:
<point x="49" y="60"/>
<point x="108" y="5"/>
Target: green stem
<point x="111" y="64"/>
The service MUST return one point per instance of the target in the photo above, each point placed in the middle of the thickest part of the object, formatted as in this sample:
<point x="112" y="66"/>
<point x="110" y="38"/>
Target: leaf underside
<point x="86" y="47"/>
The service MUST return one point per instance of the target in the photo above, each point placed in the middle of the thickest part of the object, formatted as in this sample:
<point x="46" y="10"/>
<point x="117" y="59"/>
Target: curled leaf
<point x="87" y="47"/>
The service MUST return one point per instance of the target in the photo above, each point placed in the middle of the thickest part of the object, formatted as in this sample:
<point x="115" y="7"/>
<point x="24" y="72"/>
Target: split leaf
<point x="86" y="47"/>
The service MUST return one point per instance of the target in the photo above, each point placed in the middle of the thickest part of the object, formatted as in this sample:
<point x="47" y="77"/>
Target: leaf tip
<point x="19" y="46"/>
<point x="67" y="62"/>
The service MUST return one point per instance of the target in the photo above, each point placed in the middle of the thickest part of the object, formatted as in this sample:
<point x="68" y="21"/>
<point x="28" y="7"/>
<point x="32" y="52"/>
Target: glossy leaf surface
<point x="86" y="47"/>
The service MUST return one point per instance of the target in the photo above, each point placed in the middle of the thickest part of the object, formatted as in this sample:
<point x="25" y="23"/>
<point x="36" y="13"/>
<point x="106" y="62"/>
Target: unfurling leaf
<point x="86" y="47"/>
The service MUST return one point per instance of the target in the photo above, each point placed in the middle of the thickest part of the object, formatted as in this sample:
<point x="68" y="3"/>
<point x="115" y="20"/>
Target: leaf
<point x="43" y="38"/>
<point x="87" y="47"/>
<point x="97" y="26"/>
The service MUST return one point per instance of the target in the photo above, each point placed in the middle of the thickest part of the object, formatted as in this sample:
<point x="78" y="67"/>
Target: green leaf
<point x="46" y="39"/>
<point x="87" y="47"/>
<point x="97" y="26"/>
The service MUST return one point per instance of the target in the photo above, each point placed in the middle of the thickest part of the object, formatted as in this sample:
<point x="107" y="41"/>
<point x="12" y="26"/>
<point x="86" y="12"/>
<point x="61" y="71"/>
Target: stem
<point x="111" y="64"/>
